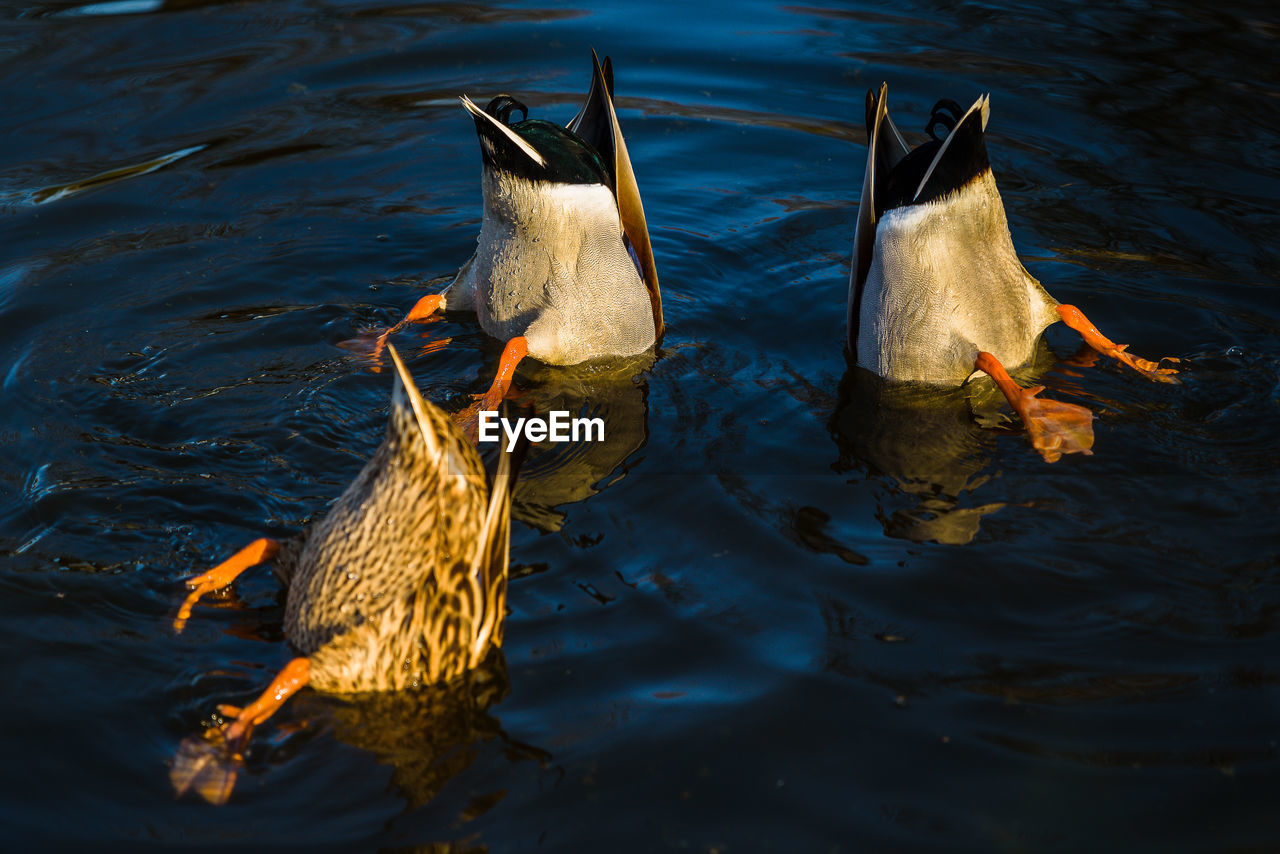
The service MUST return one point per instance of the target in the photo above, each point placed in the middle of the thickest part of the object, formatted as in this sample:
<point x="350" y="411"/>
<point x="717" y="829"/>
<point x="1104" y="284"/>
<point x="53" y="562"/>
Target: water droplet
<point x="352" y="576"/>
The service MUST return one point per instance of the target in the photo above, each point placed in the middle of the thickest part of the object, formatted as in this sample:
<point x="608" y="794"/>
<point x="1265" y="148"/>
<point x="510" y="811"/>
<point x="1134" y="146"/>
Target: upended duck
<point x="402" y="583"/>
<point x="936" y="290"/>
<point x="563" y="269"/>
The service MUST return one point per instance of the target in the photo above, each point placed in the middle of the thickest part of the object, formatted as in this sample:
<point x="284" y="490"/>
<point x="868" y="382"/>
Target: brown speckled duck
<point x="937" y="293"/>
<point x="402" y="583"/>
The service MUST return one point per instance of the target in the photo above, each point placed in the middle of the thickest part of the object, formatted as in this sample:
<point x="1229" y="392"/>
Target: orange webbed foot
<point x="1149" y="369"/>
<point x="207" y="764"/>
<point x="372" y="340"/>
<point x="259" y="551"/>
<point x="1055" y="428"/>
<point x="469" y="419"/>
<point x="1075" y="318"/>
<point x="369" y="344"/>
<point x="288" y="681"/>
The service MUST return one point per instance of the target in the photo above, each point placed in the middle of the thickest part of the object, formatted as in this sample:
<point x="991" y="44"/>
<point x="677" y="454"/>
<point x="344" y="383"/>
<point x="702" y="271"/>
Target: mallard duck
<point x="563" y="269"/>
<point x="402" y="583"/>
<point x="936" y="290"/>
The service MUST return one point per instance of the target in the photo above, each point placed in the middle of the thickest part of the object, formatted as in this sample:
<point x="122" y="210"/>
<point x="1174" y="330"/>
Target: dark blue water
<point x="778" y="610"/>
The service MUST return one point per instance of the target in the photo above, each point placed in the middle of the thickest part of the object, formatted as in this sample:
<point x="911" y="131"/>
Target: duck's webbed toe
<point x="259" y="551"/>
<point x="1075" y="318"/>
<point x="469" y="418"/>
<point x="372" y="340"/>
<point x="1055" y="428"/>
<point x="208" y="765"/>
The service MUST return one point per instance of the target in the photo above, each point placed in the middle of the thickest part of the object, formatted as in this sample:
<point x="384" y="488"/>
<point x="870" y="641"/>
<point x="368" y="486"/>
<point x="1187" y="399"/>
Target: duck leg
<point x="517" y="348"/>
<point x="372" y="341"/>
<point x="469" y="419"/>
<point x="259" y="551"/>
<point x="210" y="762"/>
<point x="1055" y="428"/>
<point x="1075" y="318"/>
<point x="294" y="676"/>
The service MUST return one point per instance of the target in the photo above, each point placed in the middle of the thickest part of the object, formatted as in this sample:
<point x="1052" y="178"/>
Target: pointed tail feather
<point x="492" y="559"/>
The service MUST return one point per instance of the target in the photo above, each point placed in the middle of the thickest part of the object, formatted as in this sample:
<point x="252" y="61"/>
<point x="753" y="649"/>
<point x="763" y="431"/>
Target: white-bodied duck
<point x="936" y="290"/>
<point x="563" y="270"/>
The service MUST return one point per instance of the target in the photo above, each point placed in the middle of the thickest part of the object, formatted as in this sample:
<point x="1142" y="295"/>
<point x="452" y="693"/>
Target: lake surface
<point x="779" y="610"/>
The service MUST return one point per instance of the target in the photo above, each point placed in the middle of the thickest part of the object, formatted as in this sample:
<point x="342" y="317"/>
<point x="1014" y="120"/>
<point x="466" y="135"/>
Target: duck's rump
<point x="420" y="639"/>
<point x="396" y="546"/>
<point x="944" y="284"/>
<point x="552" y="265"/>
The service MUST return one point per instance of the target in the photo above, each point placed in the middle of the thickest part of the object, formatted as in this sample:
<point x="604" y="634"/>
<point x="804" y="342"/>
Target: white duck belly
<point x="944" y="284"/>
<point x="551" y="265"/>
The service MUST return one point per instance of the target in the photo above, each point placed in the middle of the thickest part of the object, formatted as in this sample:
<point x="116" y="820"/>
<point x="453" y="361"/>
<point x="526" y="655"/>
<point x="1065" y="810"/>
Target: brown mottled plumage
<point x="402" y="583"/>
<point x="404" y="580"/>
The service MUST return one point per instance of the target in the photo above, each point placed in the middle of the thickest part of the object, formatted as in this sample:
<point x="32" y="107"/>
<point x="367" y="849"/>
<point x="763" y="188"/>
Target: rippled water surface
<point x="780" y="609"/>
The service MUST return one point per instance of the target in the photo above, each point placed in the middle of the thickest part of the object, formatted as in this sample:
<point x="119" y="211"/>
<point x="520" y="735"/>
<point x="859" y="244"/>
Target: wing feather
<point x="597" y="123"/>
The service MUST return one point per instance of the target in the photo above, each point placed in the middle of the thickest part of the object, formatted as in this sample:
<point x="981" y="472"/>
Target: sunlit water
<point x="778" y="610"/>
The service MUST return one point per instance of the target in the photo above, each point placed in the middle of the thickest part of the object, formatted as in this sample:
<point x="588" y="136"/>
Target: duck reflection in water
<point x="555" y="475"/>
<point x="931" y="442"/>
<point x="427" y="736"/>
<point x="401" y="584"/>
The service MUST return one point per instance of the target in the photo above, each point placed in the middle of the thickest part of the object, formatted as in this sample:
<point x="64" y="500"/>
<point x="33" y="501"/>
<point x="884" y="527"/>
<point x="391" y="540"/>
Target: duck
<point x="563" y="269"/>
<point x="937" y="294"/>
<point x="401" y="584"/>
